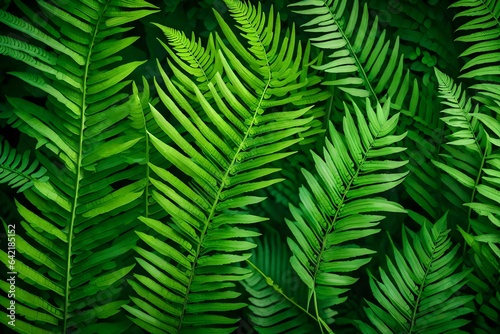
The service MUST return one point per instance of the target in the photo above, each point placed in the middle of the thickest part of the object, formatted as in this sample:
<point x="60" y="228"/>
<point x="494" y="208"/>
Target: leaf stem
<point x="270" y="282"/>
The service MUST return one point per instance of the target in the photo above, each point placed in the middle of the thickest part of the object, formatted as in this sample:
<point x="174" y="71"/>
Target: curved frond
<point x="192" y="258"/>
<point x="334" y="213"/>
<point x="16" y="169"/>
<point x="293" y="66"/>
<point x="482" y="30"/>
<point x="191" y="59"/>
<point x="363" y="62"/>
<point x="463" y="167"/>
<point x="473" y="180"/>
<point x="419" y="291"/>
<point x="365" y="65"/>
<point x="79" y="233"/>
<point x="273" y="287"/>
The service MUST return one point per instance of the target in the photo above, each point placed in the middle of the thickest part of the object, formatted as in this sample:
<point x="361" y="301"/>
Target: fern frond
<point x="192" y="266"/>
<point x="314" y="93"/>
<point x="482" y="30"/>
<point x="364" y="63"/>
<point x="80" y="232"/>
<point x="417" y="292"/>
<point x="16" y="170"/>
<point x="473" y="179"/>
<point x="274" y="289"/>
<point x="191" y="59"/>
<point x="462" y="168"/>
<point x="487" y="299"/>
<point x="333" y="211"/>
<point x="298" y="78"/>
<point x="201" y="62"/>
<point x="377" y="71"/>
<point x="484" y="244"/>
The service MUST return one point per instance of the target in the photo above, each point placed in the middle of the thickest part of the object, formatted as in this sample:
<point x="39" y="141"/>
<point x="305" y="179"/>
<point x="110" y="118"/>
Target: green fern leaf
<point x="375" y="68"/>
<point x="247" y="127"/>
<point x="333" y="211"/>
<point x="473" y="178"/>
<point x="275" y="304"/>
<point x="16" y="170"/>
<point x="481" y="32"/>
<point x="307" y="90"/>
<point x="462" y="168"/>
<point x="483" y="29"/>
<point x="87" y="143"/>
<point x="364" y="63"/>
<point x="417" y="293"/>
<point x="195" y="60"/>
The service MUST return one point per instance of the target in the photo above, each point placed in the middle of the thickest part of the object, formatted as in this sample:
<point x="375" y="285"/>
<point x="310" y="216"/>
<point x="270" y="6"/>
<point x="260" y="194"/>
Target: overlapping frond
<point x="300" y="78"/>
<point x="473" y="169"/>
<point x="465" y="150"/>
<point x="482" y="31"/>
<point x="87" y="131"/>
<point x="190" y="59"/>
<point x="336" y="206"/>
<point x="313" y="93"/>
<point x="363" y="63"/>
<point x="484" y="243"/>
<point x="17" y="170"/>
<point x="275" y="289"/>
<point x="192" y="258"/>
<point x="420" y="292"/>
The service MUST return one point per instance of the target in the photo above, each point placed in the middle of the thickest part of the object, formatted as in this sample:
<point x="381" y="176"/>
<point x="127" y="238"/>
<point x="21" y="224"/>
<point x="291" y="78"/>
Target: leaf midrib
<point x="417" y="302"/>
<point x="199" y="64"/>
<point x="334" y="220"/>
<point x="353" y="54"/>
<point x="79" y="167"/>
<point x="465" y="114"/>
<point x="491" y="13"/>
<point x="223" y="183"/>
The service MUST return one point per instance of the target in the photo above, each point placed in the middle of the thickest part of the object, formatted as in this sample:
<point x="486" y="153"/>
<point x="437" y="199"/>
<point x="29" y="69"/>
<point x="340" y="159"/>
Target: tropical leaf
<point x="364" y="63"/>
<point x="275" y="289"/>
<point x="473" y="178"/>
<point x="79" y="223"/>
<point x="16" y="170"/>
<point x="361" y="61"/>
<point x="482" y="30"/>
<point x="420" y="292"/>
<point x="192" y="258"/>
<point x="461" y="166"/>
<point x="145" y="205"/>
<point x="191" y="60"/>
<point x="333" y="213"/>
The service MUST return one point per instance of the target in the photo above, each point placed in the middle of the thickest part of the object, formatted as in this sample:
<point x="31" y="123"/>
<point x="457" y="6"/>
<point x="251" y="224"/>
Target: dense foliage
<point x="238" y="166"/>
